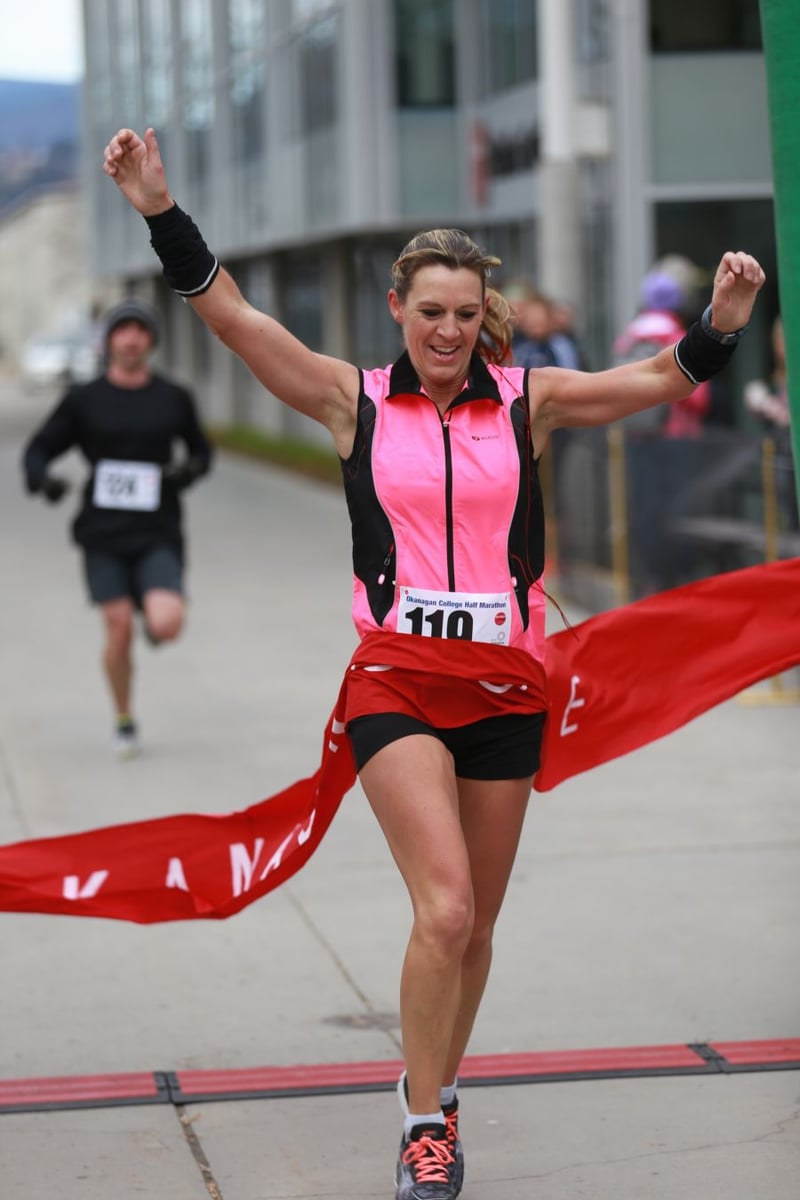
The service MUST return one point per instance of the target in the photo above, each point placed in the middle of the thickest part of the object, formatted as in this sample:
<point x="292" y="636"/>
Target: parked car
<point x="53" y="360"/>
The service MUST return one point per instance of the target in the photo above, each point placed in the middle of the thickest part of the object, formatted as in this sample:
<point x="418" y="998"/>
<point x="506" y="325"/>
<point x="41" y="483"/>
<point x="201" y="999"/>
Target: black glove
<point x="54" y="489"/>
<point x="181" y="475"/>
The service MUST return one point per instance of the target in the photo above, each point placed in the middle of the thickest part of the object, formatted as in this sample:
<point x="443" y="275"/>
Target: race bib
<point x="134" y="485"/>
<point x="467" y="616"/>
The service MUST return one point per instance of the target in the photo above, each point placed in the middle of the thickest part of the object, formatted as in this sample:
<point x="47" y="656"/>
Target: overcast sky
<point x="41" y="39"/>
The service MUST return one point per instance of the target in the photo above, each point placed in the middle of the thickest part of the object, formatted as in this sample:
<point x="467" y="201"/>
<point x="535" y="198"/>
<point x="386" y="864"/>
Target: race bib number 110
<point x="467" y="616"/>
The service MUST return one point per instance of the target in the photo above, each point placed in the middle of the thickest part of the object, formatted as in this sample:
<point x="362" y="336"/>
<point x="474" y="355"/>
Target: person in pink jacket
<point x="663" y="447"/>
<point x="660" y="323"/>
<point x="447" y="545"/>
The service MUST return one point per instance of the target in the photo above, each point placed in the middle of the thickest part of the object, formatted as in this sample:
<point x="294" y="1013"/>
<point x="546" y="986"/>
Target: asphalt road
<point x="654" y="902"/>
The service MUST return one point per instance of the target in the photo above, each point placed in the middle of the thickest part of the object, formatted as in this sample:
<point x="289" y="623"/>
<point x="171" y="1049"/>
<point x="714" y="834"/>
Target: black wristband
<point x="700" y="356"/>
<point x="189" y="266"/>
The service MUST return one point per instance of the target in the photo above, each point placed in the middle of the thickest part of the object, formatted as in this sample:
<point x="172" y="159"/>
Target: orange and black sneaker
<point x="450" y="1112"/>
<point x="456" y="1149"/>
<point x="425" y="1165"/>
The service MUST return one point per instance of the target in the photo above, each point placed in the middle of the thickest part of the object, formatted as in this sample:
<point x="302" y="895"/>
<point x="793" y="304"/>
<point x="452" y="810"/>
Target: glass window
<point x="509" y="35"/>
<point x="515" y="245"/>
<point x="98" y="55"/>
<point x="376" y="337"/>
<point x="425" y="53"/>
<point x="304" y="10"/>
<point x="157" y="74"/>
<point x="318" y="74"/>
<point x="127" y="86"/>
<point x="198" y="84"/>
<point x="685" y="25"/>
<point x="303" y="297"/>
<point x="100" y="112"/>
<point x="592" y="31"/>
<point x="246" y="32"/>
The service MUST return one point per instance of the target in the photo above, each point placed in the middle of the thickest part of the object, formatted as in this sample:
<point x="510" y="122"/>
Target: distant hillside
<point x="39" y="139"/>
<point x="36" y="116"/>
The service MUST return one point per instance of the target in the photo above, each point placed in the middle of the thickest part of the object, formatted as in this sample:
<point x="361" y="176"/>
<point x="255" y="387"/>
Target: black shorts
<point x="112" y="577"/>
<point x="504" y="747"/>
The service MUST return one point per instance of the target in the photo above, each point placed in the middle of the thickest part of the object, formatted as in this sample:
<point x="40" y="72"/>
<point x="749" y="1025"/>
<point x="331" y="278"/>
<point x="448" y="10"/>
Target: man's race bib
<point x="468" y="616"/>
<point x="134" y="485"/>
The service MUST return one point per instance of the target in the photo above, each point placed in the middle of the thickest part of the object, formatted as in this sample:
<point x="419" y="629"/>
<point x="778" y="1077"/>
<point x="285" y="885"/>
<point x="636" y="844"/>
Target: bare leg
<point x="492" y="816"/>
<point x="411" y="787"/>
<point x="164" y="613"/>
<point x="118" y="622"/>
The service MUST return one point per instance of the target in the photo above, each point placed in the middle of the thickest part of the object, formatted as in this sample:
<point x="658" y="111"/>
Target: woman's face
<point x="441" y="319"/>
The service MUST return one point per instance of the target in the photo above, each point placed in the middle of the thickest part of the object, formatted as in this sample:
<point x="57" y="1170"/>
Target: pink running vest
<point x="446" y="512"/>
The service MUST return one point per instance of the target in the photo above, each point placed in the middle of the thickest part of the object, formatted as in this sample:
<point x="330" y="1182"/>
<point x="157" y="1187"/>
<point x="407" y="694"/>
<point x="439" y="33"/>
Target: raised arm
<point x="575" y="398"/>
<point x="321" y="387"/>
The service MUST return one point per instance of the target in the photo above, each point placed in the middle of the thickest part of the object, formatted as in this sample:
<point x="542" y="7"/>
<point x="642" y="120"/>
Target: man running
<point x="129" y="525"/>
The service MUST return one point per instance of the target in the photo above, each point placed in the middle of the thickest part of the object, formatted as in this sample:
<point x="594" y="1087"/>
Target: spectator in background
<point x="129" y="525"/>
<point x="769" y="400"/>
<point x="563" y="338"/>
<point x="540" y="339"/>
<point x="532" y="320"/>
<point x="661" y="320"/>
<point x="543" y="328"/>
<point x="663" y="453"/>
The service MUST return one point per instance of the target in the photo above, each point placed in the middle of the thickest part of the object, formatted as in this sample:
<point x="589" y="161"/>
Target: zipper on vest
<point x="448" y="504"/>
<point x="387" y="562"/>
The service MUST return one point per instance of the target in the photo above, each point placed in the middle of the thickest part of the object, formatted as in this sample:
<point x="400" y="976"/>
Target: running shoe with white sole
<point x="425" y="1165"/>
<point x="126" y="740"/>
<point x="451" y="1124"/>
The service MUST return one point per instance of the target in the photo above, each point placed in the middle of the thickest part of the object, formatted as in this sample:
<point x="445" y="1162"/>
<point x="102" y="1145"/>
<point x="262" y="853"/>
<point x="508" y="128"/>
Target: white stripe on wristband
<point x="204" y="286"/>
<point x="685" y="370"/>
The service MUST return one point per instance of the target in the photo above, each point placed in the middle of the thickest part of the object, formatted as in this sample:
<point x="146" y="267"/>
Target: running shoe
<point x="425" y="1165"/>
<point x="454" y="1142"/>
<point x="126" y="740"/>
<point x="451" y="1124"/>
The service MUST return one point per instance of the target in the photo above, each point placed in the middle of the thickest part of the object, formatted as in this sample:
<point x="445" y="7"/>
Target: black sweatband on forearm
<point x="700" y="356"/>
<point x="189" y="266"/>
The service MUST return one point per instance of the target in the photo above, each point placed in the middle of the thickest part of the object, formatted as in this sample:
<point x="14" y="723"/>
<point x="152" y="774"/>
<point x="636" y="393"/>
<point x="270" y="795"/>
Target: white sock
<point x="448" y="1094"/>
<point x="436" y="1118"/>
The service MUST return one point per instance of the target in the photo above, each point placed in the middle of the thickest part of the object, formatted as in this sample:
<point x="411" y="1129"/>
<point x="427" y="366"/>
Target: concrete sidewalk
<point x="653" y="902"/>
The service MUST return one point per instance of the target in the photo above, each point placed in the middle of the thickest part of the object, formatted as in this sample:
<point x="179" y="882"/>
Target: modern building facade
<point x="577" y="139"/>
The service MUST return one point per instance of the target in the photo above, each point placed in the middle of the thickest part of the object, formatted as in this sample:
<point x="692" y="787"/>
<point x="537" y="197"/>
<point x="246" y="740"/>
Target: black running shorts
<point x="504" y="747"/>
<point x="112" y="577"/>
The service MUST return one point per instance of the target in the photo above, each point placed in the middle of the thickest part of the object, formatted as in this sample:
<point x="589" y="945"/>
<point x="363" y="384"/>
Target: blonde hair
<point x="455" y="249"/>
